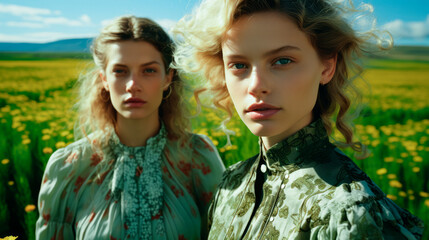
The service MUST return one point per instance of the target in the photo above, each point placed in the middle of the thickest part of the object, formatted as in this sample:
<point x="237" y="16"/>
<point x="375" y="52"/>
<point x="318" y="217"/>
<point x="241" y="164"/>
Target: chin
<point x="263" y="129"/>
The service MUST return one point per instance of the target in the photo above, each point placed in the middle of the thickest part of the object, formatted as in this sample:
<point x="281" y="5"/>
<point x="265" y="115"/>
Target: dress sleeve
<point x="58" y="183"/>
<point x="207" y="172"/>
<point x="372" y="219"/>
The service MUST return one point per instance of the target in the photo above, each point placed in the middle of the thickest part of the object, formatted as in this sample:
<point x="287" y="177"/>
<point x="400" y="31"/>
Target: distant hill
<point x="419" y="53"/>
<point x="69" y="45"/>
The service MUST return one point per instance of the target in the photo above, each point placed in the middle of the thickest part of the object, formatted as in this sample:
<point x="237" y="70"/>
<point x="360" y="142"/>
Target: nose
<point x="132" y="85"/>
<point x="258" y="85"/>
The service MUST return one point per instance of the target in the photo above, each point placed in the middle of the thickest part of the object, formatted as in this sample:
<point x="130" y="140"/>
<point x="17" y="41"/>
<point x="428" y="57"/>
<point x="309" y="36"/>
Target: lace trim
<point x="137" y="178"/>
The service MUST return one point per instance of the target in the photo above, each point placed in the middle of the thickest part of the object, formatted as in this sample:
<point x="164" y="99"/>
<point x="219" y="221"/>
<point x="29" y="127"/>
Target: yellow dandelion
<point x="395" y="184"/>
<point x="47" y="150"/>
<point x="5" y="161"/>
<point x="393" y="197"/>
<point x="411" y="197"/>
<point x="391" y="176"/>
<point x="10" y="183"/>
<point x="389" y="159"/>
<point x="414" y="153"/>
<point x="402" y="194"/>
<point x="410" y="192"/>
<point x="417" y="159"/>
<point x="404" y="155"/>
<point x="46" y="131"/>
<point x="393" y="139"/>
<point x="46" y="137"/>
<point x="427" y="203"/>
<point x="64" y="133"/>
<point x="30" y="208"/>
<point x="9" y="238"/>
<point x="424" y="194"/>
<point x="416" y="169"/>
<point x="26" y="141"/>
<point x="222" y="150"/>
<point x="381" y="171"/>
<point x="215" y="142"/>
<point x="399" y="160"/>
<point x="60" y="144"/>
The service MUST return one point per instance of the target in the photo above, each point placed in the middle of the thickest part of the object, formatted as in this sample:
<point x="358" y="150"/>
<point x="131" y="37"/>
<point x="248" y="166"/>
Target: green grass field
<point x="36" y="115"/>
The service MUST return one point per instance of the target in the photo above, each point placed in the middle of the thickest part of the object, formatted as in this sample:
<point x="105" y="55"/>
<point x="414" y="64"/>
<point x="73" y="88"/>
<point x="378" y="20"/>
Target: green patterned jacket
<point x="305" y="188"/>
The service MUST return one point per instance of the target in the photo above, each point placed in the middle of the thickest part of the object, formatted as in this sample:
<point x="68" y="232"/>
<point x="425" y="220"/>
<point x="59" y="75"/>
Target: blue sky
<point x="49" y="20"/>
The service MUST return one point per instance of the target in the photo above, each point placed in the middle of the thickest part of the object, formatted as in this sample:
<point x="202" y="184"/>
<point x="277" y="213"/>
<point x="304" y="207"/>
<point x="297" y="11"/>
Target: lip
<point x="261" y="111"/>
<point x="134" y="102"/>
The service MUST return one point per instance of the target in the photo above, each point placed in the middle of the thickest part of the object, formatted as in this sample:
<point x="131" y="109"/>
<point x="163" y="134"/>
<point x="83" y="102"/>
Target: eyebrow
<point x="142" y="65"/>
<point x="271" y="52"/>
<point x="280" y="49"/>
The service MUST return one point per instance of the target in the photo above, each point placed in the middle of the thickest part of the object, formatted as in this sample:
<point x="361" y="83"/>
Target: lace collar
<point x="137" y="181"/>
<point x="304" y="147"/>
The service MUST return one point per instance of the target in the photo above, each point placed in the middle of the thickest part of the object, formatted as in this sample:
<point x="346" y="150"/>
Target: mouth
<point x="134" y="102"/>
<point x="261" y="111"/>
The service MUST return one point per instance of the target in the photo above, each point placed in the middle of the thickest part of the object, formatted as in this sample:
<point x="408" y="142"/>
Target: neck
<point x="136" y="132"/>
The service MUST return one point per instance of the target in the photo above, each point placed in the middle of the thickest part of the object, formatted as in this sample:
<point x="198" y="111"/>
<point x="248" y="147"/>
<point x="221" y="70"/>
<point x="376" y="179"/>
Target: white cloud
<point x="39" y="18"/>
<point x="41" y="37"/>
<point x="22" y="10"/>
<point x="415" y="30"/>
<point x="24" y="24"/>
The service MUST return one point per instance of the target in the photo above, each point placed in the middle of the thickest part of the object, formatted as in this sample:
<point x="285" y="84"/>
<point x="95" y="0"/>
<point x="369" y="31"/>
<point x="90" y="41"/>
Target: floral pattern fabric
<point x="305" y="188"/>
<point x="159" y="191"/>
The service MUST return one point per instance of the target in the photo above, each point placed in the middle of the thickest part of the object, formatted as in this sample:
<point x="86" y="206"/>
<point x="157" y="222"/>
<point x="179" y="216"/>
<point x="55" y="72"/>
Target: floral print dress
<point x="305" y="188"/>
<point x="159" y="191"/>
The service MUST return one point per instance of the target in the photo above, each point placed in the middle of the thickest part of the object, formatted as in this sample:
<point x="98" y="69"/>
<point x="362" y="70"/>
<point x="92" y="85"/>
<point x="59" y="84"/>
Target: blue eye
<point x="238" y="66"/>
<point x="282" y="61"/>
<point x="119" y="71"/>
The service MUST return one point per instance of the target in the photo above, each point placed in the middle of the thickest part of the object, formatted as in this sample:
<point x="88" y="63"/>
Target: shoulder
<point x="354" y="211"/>
<point x="69" y="157"/>
<point x="199" y="141"/>
<point x="235" y="174"/>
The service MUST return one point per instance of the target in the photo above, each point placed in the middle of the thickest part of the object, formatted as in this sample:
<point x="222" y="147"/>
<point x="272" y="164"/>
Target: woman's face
<point x="135" y="78"/>
<point x="272" y="73"/>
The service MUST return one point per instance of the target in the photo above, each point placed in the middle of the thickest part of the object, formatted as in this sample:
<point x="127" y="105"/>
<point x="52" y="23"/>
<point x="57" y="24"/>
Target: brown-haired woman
<point x="137" y="173"/>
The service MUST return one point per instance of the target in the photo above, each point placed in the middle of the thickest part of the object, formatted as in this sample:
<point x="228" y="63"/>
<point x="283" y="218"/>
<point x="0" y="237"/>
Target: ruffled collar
<point x="137" y="182"/>
<point x="307" y="146"/>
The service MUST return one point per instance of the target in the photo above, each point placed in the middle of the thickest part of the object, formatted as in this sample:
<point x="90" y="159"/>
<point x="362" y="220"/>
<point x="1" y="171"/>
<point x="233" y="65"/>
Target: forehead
<point x="262" y="32"/>
<point x="132" y="52"/>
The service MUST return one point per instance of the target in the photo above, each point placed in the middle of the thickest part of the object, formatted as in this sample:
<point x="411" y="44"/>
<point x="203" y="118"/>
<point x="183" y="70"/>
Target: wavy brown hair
<point x="95" y="111"/>
<point x="324" y="23"/>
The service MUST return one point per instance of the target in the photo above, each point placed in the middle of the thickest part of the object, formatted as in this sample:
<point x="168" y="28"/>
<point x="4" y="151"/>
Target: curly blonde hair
<point x="96" y="113"/>
<point x="201" y="34"/>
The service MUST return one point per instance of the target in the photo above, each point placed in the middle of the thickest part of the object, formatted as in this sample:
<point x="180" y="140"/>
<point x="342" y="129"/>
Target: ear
<point x="330" y="65"/>
<point x="104" y="80"/>
<point x="169" y="78"/>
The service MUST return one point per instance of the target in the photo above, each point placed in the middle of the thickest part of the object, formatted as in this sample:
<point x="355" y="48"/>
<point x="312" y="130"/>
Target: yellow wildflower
<point x="5" y="161"/>
<point x="424" y="194"/>
<point x="47" y="150"/>
<point x="416" y="169"/>
<point x="26" y="141"/>
<point x="60" y="144"/>
<point x="404" y="155"/>
<point x="391" y="176"/>
<point x="46" y="137"/>
<point x="10" y="183"/>
<point x="393" y="197"/>
<point x="427" y="203"/>
<point x="9" y="238"/>
<point x="402" y="194"/>
<point x="381" y="171"/>
<point x="417" y="159"/>
<point x="30" y="208"/>
<point x="388" y="159"/>
<point x="395" y="184"/>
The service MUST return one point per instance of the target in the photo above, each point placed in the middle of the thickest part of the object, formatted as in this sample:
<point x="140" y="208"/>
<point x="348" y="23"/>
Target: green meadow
<point x="37" y="118"/>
